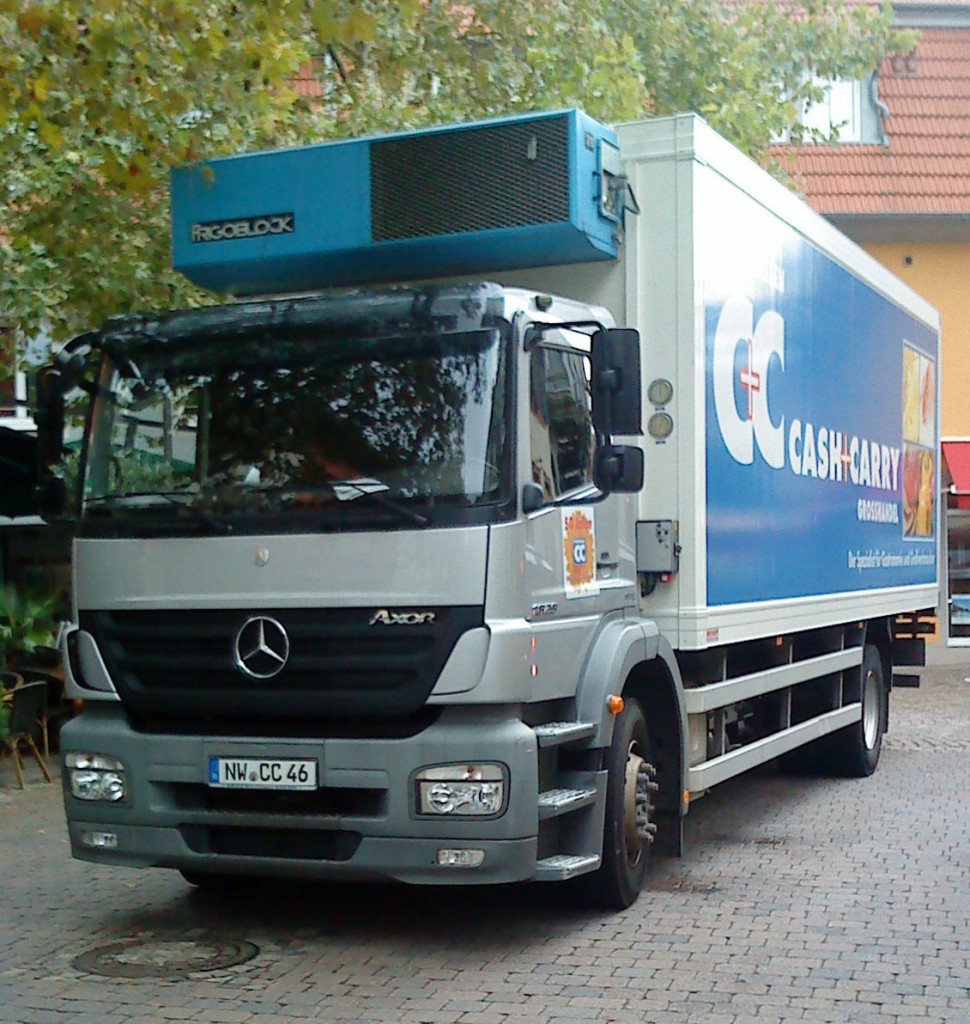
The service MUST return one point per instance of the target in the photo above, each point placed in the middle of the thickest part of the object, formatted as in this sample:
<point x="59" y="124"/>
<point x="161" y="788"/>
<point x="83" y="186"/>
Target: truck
<point x="534" y="477"/>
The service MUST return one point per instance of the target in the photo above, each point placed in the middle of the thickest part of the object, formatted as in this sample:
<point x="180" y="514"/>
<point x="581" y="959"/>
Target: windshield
<point x="328" y="427"/>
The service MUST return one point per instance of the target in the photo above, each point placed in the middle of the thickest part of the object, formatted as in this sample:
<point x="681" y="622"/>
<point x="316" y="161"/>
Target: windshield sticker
<point x="579" y="552"/>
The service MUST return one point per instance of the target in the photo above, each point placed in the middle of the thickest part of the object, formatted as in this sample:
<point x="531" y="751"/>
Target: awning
<point x="957" y="456"/>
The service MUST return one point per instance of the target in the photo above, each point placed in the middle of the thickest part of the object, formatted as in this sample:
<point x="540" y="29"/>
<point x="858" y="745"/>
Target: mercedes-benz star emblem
<point x="261" y="648"/>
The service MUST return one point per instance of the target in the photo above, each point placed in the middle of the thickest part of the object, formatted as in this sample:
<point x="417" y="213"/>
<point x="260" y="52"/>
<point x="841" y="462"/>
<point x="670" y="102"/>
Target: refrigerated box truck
<point x="537" y="478"/>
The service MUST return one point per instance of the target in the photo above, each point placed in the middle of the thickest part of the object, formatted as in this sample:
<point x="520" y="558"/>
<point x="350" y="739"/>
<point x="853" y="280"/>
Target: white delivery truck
<point x="538" y="478"/>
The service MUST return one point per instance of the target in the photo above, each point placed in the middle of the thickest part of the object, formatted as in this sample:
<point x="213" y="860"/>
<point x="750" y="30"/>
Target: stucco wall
<point x="941" y="274"/>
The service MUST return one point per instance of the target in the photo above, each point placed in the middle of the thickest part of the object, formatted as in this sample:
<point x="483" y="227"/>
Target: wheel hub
<point x="638" y="829"/>
<point x="870" y="709"/>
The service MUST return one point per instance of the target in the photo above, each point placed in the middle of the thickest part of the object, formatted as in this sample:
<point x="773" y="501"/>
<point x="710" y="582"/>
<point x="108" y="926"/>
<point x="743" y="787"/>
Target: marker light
<point x="660" y="426"/>
<point x="660" y="391"/>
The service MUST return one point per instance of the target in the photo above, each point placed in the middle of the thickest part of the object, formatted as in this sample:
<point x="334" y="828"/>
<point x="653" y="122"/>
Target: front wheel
<point x="627" y="830"/>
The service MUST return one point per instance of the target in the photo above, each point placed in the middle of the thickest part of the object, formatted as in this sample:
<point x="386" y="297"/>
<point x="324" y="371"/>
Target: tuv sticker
<point x="579" y="552"/>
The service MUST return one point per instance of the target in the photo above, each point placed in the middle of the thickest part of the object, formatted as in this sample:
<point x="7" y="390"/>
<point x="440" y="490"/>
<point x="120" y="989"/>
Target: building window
<point x="848" y="112"/>
<point x="838" y="115"/>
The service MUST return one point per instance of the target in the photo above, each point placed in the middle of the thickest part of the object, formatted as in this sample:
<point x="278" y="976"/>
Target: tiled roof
<point x="925" y="169"/>
<point x="306" y="83"/>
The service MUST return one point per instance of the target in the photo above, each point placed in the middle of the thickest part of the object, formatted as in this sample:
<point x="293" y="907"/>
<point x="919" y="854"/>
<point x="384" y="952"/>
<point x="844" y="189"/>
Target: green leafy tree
<point x="753" y="68"/>
<point x="99" y="98"/>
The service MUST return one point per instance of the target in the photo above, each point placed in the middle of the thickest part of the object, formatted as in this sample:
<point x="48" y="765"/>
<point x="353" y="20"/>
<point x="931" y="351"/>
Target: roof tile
<point x="925" y="169"/>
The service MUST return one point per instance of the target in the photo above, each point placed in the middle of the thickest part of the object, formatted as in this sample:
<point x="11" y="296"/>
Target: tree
<point x="753" y="68"/>
<point x="98" y="98"/>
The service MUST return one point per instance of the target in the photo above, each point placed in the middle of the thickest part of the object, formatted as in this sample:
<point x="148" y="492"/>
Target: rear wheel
<point x="627" y="830"/>
<point x="855" y="751"/>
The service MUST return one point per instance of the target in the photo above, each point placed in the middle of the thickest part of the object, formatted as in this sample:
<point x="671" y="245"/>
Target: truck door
<point x="577" y="568"/>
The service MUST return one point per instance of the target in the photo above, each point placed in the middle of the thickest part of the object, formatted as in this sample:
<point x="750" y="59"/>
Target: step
<point x="554" y="734"/>
<point x="564" y="866"/>
<point x="561" y="801"/>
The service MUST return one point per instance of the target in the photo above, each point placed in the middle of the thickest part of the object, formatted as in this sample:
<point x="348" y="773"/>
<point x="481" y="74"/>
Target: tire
<point x="626" y="840"/>
<point x="854" y="751"/>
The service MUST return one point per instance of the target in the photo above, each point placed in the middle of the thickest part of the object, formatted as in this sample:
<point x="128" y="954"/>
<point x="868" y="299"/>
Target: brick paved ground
<point x="798" y="900"/>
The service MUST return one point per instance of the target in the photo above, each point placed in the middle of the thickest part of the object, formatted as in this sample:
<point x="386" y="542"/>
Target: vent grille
<point x="282" y="843"/>
<point x="476" y="179"/>
<point x="180" y="663"/>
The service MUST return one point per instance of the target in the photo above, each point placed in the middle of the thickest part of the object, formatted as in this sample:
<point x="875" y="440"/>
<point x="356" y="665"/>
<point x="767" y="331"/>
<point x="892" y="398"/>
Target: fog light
<point x="465" y="790"/>
<point x="461" y="858"/>
<point x="96" y="777"/>
<point x="100" y="840"/>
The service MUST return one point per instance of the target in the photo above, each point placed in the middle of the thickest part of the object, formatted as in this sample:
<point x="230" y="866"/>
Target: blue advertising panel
<point x="821" y="416"/>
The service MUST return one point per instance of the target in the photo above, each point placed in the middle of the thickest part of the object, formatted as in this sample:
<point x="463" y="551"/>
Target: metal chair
<point x="55" y="687"/>
<point x="9" y="680"/>
<point x="27" y="707"/>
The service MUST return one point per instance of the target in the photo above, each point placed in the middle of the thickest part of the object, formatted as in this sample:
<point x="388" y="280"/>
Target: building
<point x="898" y="183"/>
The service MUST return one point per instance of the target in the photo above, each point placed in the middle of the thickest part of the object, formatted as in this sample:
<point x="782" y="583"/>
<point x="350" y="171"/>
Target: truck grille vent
<point x="325" y="803"/>
<point x="180" y="663"/>
<point x="474" y="179"/>
<point x="284" y="843"/>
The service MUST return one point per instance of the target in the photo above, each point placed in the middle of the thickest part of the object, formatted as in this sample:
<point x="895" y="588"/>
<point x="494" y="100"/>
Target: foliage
<point x="99" y="98"/>
<point x="27" y="621"/>
<point x="753" y="74"/>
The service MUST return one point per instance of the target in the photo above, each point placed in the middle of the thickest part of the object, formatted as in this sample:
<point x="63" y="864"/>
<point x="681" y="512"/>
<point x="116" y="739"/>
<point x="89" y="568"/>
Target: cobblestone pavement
<point x="798" y="900"/>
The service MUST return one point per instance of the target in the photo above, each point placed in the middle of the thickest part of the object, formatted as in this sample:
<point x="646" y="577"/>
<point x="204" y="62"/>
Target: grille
<point x="475" y="179"/>
<point x="324" y="803"/>
<point x="179" y="664"/>
<point x="295" y="843"/>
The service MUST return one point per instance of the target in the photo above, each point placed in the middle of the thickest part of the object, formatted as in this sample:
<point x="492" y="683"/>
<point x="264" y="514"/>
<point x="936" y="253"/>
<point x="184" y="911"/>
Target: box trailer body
<point x="521" y="675"/>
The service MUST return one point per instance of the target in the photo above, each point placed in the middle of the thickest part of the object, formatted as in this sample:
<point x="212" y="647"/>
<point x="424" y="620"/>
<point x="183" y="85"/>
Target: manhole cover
<point x="161" y="958"/>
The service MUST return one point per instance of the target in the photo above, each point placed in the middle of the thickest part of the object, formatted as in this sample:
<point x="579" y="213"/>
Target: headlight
<point x="96" y="777"/>
<point x="461" y="790"/>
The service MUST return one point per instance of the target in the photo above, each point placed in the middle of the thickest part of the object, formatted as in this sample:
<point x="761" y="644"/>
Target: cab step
<point x="561" y="801"/>
<point x="555" y="734"/>
<point x="564" y="866"/>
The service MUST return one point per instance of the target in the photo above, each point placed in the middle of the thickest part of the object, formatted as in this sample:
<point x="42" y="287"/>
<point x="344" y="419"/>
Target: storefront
<point x="956" y="460"/>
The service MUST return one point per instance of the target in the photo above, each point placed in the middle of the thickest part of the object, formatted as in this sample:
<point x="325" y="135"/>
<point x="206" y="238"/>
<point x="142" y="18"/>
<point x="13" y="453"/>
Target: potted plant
<point x="28" y="624"/>
<point x="28" y="630"/>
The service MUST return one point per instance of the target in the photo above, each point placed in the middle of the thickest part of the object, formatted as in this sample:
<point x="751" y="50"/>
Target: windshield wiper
<point x="377" y="492"/>
<point x="117" y="501"/>
<point x="353" y="490"/>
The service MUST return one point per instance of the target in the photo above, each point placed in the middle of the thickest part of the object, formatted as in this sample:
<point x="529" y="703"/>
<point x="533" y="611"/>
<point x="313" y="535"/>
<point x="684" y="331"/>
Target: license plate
<point x="262" y="773"/>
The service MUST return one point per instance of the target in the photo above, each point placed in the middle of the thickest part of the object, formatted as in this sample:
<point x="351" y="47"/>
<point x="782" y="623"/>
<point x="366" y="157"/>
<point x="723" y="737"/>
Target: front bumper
<point x="359" y="824"/>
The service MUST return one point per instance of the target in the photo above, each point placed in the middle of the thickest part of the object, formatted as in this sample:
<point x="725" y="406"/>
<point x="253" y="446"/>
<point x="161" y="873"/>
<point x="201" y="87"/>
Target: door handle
<point x="605" y="563"/>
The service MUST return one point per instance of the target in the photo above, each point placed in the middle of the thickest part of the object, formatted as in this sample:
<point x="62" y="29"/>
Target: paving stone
<point x="799" y="900"/>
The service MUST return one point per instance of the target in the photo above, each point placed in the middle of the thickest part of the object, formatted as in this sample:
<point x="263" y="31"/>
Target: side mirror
<point x="532" y="498"/>
<point x="618" y="468"/>
<point x="615" y="358"/>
